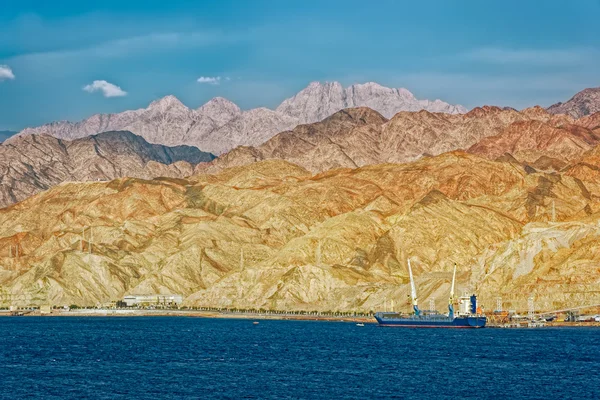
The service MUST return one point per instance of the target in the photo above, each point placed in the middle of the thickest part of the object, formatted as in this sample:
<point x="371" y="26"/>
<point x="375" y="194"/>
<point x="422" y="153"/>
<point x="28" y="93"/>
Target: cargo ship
<point x="468" y="315"/>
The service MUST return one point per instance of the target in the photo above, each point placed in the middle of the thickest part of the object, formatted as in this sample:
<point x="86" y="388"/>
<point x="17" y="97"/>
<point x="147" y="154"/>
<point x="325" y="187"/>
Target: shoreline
<point x="246" y="316"/>
<point x="191" y="314"/>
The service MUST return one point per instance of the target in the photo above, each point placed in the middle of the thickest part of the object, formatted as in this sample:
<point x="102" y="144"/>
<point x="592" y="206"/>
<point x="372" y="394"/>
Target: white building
<point x="153" y="300"/>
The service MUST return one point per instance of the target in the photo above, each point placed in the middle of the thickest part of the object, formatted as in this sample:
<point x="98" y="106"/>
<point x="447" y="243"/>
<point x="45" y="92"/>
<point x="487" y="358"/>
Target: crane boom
<point x="451" y="299"/>
<point x="413" y="290"/>
<point x="452" y="288"/>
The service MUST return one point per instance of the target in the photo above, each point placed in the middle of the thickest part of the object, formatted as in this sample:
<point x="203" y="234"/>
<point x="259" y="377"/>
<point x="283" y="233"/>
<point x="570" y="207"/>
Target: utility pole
<point x="241" y="259"/>
<point x="531" y="307"/>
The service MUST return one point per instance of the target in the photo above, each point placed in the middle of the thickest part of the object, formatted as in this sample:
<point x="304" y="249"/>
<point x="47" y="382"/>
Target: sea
<point x="199" y="358"/>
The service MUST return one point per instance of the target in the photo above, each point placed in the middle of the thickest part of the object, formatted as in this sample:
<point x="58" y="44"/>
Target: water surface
<point x="172" y="358"/>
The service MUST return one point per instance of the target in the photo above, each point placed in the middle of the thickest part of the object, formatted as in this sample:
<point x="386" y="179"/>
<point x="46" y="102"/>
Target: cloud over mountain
<point x="107" y="88"/>
<point x="211" y="80"/>
<point x="6" y="73"/>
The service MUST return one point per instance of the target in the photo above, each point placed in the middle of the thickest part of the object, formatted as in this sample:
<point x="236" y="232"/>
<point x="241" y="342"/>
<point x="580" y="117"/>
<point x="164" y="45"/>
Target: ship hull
<point x="428" y="321"/>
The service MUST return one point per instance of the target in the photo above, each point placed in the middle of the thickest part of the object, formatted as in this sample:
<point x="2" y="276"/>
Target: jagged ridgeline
<point x="219" y="125"/>
<point x="321" y="216"/>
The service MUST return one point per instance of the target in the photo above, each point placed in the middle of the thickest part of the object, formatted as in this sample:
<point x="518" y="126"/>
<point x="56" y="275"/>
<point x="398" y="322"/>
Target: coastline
<point x="246" y="316"/>
<point x="189" y="313"/>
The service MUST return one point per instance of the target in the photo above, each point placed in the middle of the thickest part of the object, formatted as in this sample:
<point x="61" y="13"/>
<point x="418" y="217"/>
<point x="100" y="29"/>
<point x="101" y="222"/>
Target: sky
<point x="69" y="59"/>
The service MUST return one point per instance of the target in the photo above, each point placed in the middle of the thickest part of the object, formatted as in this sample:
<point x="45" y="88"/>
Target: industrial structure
<point x="148" y="300"/>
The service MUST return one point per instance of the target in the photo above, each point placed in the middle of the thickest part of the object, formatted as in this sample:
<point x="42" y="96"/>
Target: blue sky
<point x="516" y="53"/>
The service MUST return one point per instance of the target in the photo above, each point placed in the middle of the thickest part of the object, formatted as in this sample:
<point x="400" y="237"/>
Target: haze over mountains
<point x="220" y="125"/>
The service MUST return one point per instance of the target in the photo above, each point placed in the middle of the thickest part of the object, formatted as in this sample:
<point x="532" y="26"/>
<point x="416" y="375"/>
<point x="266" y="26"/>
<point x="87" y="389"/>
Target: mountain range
<point x="360" y="136"/>
<point x="320" y="216"/>
<point x="219" y="125"/>
<point x="32" y="163"/>
<point x="272" y="235"/>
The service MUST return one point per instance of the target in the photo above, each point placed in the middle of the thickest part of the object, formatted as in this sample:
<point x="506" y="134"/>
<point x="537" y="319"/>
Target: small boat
<point x="255" y="323"/>
<point x="360" y="324"/>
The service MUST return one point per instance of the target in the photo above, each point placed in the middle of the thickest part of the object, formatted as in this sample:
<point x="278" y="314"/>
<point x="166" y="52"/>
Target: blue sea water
<point x="174" y="358"/>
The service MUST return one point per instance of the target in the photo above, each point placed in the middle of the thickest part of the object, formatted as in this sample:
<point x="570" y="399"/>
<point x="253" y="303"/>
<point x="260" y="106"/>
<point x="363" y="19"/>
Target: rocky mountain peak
<point x="219" y="102"/>
<point x="478" y="112"/>
<point x="220" y="110"/>
<point x="165" y="103"/>
<point x="319" y="100"/>
<point x="583" y="103"/>
<point x="375" y="89"/>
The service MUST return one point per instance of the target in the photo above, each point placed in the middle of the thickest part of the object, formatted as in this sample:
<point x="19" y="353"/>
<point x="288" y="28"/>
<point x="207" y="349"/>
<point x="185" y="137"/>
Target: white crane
<point x="413" y="291"/>
<point x="451" y="299"/>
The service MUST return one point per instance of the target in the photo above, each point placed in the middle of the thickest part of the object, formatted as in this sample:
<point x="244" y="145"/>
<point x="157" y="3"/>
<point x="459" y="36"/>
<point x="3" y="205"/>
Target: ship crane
<point x="451" y="299"/>
<point x="413" y="291"/>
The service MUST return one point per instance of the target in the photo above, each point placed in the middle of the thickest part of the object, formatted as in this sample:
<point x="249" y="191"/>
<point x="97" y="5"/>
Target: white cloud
<point x="211" y="80"/>
<point x="108" y="89"/>
<point x="6" y="73"/>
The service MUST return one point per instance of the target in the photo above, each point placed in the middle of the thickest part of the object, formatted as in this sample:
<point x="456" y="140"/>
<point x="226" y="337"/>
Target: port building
<point x="145" y="300"/>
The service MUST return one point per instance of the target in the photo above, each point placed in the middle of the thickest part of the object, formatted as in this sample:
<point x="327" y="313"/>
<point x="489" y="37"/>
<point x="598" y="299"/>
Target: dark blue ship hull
<point x="429" y="321"/>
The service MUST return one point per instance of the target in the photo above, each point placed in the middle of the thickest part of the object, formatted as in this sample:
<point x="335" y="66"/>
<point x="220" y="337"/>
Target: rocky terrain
<point x="321" y="216"/>
<point x="220" y="125"/>
<point x="360" y="136"/>
<point x="583" y="103"/>
<point x="538" y="142"/>
<point x="32" y="163"/>
<point x="273" y="235"/>
<point x="318" y="101"/>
